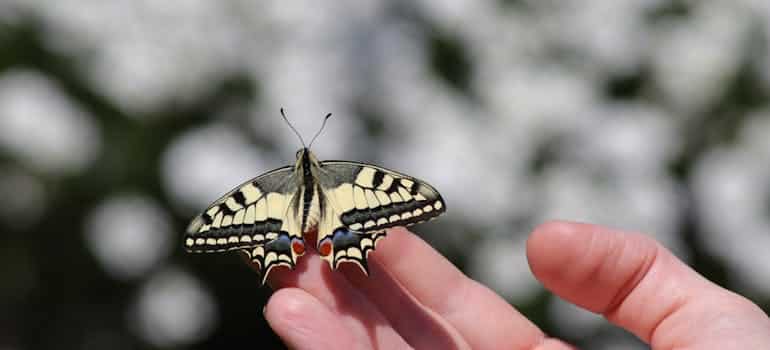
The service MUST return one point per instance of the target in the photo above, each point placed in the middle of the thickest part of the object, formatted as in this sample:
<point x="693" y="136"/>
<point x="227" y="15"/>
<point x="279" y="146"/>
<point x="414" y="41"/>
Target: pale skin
<point x="416" y="298"/>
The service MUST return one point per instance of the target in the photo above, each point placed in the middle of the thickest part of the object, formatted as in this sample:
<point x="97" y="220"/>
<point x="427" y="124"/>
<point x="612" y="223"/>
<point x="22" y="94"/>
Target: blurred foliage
<point x="67" y="300"/>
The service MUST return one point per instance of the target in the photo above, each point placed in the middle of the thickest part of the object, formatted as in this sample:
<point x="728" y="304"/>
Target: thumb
<point x="639" y="285"/>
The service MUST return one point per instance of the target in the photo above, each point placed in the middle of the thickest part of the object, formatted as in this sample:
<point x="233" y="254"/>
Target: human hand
<point x="415" y="298"/>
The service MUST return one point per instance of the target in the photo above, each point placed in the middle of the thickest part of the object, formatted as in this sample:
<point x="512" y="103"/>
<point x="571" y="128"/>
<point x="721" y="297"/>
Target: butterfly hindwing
<point x="348" y="246"/>
<point x="258" y="217"/>
<point x="363" y="201"/>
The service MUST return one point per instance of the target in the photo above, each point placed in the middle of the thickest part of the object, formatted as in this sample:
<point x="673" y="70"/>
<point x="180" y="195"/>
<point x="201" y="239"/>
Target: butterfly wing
<point x="258" y="217"/>
<point x="363" y="200"/>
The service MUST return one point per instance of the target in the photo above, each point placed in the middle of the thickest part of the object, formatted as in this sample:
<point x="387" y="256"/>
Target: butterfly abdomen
<point x="309" y="193"/>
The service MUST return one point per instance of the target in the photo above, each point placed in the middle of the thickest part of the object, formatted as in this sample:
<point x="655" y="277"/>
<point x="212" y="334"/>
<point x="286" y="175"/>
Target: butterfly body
<point x="348" y="204"/>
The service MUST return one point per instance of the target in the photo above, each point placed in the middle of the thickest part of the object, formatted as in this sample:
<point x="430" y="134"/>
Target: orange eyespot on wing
<point x="325" y="248"/>
<point x="298" y="246"/>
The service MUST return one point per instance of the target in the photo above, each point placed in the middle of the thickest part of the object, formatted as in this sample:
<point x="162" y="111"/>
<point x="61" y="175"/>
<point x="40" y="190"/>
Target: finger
<point x="358" y="316"/>
<point x="639" y="285"/>
<point x="303" y="322"/>
<point x="418" y="325"/>
<point x="485" y="320"/>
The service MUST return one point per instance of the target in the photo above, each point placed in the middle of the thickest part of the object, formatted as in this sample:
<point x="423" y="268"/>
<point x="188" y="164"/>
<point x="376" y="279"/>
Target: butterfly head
<point x="305" y="159"/>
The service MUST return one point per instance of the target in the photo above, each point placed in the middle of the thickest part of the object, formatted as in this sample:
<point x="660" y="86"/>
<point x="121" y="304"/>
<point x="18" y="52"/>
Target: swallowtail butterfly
<point x="348" y="204"/>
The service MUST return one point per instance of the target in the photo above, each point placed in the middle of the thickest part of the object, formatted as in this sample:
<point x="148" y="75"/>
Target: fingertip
<point x="556" y="232"/>
<point x="555" y="246"/>
<point x="587" y="264"/>
<point x="288" y="306"/>
<point x="303" y="322"/>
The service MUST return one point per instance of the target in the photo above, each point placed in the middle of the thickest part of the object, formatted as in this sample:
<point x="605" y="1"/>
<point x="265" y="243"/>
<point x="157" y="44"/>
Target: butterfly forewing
<point x="370" y="198"/>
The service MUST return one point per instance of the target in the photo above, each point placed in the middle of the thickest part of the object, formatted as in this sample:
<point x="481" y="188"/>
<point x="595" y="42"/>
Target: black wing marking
<point x="371" y="198"/>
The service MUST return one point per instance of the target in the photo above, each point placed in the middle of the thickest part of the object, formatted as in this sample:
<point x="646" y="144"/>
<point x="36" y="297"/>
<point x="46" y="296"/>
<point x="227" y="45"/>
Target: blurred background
<point x="120" y="120"/>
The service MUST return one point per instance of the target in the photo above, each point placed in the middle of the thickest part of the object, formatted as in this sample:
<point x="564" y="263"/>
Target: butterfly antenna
<point x="319" y="130"/>
<point x="292" y="127"/>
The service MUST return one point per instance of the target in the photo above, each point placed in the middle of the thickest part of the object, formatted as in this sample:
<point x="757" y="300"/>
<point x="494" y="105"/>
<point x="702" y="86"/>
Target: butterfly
<point x="349" y="205"/>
